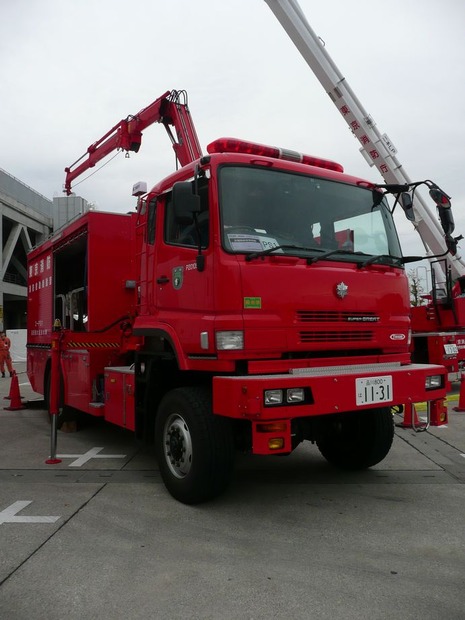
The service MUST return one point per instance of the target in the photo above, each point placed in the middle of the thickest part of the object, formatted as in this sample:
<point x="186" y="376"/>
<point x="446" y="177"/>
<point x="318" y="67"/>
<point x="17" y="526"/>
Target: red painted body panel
<point x="105" y="244"/>
<point x="295" y="299"/>
<point x="119" y="397"/>
<point x="81" y="368"/>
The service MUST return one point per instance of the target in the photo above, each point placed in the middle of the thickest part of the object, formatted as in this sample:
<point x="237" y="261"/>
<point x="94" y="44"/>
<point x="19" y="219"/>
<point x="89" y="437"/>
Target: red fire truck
<point x="255" y="299"/>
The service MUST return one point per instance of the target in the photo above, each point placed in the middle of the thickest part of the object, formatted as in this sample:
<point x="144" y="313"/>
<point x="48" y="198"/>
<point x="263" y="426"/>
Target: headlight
<point x="295" y="395"/>
<point x="273" y="397"/>
<point x="434" y="382"/>
<point x="285" y="396"/>
<point x="229" y="341"/>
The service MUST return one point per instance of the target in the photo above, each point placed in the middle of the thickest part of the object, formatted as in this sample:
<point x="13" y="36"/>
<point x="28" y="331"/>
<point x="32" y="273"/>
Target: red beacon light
<point x="231" y="145"/>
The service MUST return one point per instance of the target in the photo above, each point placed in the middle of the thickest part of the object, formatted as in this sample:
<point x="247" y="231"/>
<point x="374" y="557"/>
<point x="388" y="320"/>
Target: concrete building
<point x="26" y="219"/>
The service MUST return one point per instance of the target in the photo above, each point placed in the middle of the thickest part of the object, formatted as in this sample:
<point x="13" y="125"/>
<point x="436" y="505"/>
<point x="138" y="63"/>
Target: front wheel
<point x="357" y="440"/>
<point x="194" y="448"/>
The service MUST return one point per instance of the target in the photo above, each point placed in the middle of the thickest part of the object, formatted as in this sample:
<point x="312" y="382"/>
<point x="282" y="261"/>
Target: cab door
<point x="184" y="288"/>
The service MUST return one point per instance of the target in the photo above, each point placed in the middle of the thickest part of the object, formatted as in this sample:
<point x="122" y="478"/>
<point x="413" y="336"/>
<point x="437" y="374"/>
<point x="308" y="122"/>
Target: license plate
<point x="451" y="349"/>
<point x="373" y="390"/>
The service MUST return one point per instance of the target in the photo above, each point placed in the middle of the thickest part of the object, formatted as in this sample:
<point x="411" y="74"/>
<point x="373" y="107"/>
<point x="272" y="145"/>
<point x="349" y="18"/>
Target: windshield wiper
<point x="253" y="255"/>
<point x="388" y="259"/>
<point x="314" y="259"/>
<point x="378" y="258"/>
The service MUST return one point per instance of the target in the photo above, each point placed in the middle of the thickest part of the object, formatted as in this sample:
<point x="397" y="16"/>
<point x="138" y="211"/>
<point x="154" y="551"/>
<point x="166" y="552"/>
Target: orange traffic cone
<point x="411" y="419"/>
<point x="11" y="388"/>
<point x="15" y="396"/>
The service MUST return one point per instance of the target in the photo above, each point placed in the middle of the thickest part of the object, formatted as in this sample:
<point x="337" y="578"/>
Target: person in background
<point x="5" y="357"/>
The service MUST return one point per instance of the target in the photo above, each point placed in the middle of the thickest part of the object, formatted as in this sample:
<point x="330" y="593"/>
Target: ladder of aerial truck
<point x="376" y="148"/>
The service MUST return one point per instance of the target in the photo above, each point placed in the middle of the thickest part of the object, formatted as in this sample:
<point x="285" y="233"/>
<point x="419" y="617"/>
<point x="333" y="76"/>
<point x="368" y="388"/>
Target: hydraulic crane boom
<point x="170" y="110"/>
<point x="375" y="147"/>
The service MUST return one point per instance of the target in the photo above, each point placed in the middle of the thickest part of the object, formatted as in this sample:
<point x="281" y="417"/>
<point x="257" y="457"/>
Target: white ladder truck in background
<point x="439" y="325"/>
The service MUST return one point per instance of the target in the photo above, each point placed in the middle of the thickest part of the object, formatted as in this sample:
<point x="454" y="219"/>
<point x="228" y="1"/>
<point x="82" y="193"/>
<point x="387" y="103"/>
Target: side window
<point x="188" y="235"/>
<point x="151" y="216"/>
<point x="171" y="233"/>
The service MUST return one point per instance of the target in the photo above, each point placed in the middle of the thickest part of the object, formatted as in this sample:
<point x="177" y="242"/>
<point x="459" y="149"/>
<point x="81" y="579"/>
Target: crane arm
<point x="375" y="147"/>
<point x="171" y="110"/>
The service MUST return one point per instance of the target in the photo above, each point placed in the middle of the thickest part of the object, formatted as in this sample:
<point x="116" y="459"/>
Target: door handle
<point x="163" y="280"/>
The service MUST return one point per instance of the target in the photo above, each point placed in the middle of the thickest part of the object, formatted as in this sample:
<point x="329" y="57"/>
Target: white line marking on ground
<point x="9" y="515"/>
<point x="93" y="453"/>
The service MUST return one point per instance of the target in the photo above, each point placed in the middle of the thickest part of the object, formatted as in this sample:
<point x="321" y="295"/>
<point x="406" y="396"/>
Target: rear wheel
<point x="194" y="448"/>
<point x="357" y="440"/>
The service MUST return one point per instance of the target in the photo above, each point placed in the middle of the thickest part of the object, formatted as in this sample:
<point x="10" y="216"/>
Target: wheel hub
<point x="178" y="446"/>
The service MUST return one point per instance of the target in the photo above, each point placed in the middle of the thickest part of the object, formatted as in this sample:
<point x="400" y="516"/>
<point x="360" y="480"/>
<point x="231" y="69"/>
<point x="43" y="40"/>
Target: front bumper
<point x="329" y="390"/>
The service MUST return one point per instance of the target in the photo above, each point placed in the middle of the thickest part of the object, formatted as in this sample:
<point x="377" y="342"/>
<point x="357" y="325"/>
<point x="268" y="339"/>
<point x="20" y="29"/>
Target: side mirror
<point x="407" y="205"/>
<point x="443" y="204"/>
<point x="447" y="221"/>
<point x="441" y="199"/>
<point x="185" y="203"/>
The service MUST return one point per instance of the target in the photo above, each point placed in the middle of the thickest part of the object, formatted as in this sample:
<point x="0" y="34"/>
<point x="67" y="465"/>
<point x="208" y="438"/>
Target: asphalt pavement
<point x="98" y="536"/>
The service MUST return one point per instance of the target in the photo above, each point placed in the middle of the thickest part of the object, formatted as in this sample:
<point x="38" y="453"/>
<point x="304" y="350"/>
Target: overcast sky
<point x="70" y="70"/>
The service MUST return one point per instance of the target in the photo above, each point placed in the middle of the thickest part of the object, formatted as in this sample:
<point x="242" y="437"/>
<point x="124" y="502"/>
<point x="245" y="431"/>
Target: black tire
<point x="357" y="440"/>
<point x="194" y="448"/>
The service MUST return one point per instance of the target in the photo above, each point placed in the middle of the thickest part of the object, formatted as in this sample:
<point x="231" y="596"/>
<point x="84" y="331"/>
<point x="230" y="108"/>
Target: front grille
<point x="333" y="316"/>
<point x="337" y="336"/>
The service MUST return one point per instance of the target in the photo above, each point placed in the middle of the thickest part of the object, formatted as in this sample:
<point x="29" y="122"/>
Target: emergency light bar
<point x="231" y="145"/>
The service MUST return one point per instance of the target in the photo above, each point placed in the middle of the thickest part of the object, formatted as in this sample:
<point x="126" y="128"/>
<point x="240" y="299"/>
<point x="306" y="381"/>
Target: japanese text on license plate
<point x="373" y="390"/>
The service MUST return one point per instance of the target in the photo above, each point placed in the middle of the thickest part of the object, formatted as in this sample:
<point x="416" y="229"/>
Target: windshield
<point x="262" y="209"/>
